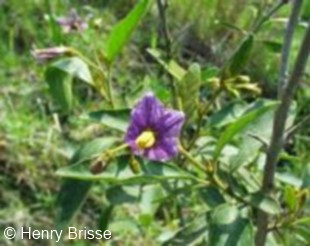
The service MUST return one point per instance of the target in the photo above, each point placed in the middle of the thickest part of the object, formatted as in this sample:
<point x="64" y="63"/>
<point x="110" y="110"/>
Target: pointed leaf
<point x="60" y="87"/>
<point x="75" y="67"/>
<point x="264" y="203"/>
<point x="59" y="76"/>
<point x="227" y="227"/>
<point x="239" y="125"/>
<point x="116" y="119"/>
<point x="119" y="172"/>
<point x="240" y="58"/>
<point x="73" y="192"/>
<point x="122" y="31"/>
<point x="306" y="177"/>
<point x="171" y="67"/>
<point x="70" y="198"/>
<point x="193" y="233"/>
<point x="188" y="89"/>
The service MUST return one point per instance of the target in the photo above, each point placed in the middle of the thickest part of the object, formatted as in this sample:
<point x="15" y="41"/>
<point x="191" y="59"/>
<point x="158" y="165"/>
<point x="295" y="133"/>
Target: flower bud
<point x="43" y="55"/>
<point x="249" y="87"/>
<point x="98" y="166"/>
<point x="214" y="82"/>
<point x="134" y="165"/>
<point x="72" y="22"/>
<point x="243" y="79"/>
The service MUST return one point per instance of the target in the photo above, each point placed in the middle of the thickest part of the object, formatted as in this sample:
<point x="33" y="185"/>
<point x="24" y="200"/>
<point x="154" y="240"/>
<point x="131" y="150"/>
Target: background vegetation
<point x="37" y="138"/>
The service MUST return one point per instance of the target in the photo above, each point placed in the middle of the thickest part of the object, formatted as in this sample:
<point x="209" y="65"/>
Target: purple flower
<point x="154" y="130"/>
<point x="72" y="22"/>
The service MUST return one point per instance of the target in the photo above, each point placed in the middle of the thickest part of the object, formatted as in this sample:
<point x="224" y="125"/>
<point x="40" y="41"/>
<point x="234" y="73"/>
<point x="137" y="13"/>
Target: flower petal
<point x="164" y="150"/>
<point x="147" y="112"/>
<point x="132" y="133"/>
<point x="171" y="123"/>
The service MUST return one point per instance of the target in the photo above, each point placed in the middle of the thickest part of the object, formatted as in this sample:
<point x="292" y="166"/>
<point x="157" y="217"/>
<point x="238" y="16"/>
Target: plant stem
<point x="295" y="128"/>
<point x="270" y="13"/>
<point x="288" y="38"/>
<point x="277" y="138"/>
<point x="191" y="159"/>
<point x="213" y="177"/>
<point x="162" y="6"/>
<point x="109" y="86"/>
<point x="202" y="114"/>
<point x="110" y="152"/>
<point x="84" y="58"/>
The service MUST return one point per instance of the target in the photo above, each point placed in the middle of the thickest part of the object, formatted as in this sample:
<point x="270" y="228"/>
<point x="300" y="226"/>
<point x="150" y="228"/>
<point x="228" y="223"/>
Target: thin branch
<point x="162" y="6"/>
<point x="203" y="113"/>
<point x="270" y="13"/>
<point x="288" y="38"/>
<point x="291" y="132"/>
<point x="278" y="133"/>
<point x="109" y="86"/>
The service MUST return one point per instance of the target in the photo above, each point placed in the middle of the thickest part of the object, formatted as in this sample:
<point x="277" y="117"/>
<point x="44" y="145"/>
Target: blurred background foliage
<point x="32" y="142"/>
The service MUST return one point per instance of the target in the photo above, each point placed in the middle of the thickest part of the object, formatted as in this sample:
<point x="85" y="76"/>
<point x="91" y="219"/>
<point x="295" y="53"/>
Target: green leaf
<point x="193" y="233"/>
<point x="239" y="125"/>
<point x="188" y="89"/>
<point x="119" y="172"/>
<point x="290" y="198"/>
<point x="150" y="195"/>
<point x="122" y="31"/>
<point x="116" y="119"/>
<point x="240" y="57"/>
<point x="224" y="214"/>
<point x="60" y="87"/>
<point x="59" y="76"/>
<point x="73" y="192"/>
<point x="209" y="72"/>
<point x="118" y="194"/>
<point x="306" y="177"/>
<point x="249" y="146"/>
<point x="289" y="178"/>
<point x="227" y="114"/>
<point x="264" y="203"/>
<point x="231" y="26"/>
<point x="227" y="227"/>
<point x="171" y="67"/>
<point x="92" y="149"/>
<point x="105" y="216"/>
<point x="70" y="198"/>
<point x="75" y="67"/>
<point x="305" y="14"/>
<point x="273" y="46"/>
<point x="255" y="135"/>
<point x="211" y="196"/>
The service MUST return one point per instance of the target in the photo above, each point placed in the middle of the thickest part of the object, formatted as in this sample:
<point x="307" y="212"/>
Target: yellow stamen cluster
<point x="146" y="139"/>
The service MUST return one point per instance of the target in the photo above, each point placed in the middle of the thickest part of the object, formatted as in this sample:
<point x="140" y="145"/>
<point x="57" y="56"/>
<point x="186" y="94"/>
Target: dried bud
<point x="43" y="55"/>
<point x="98" y="166"/>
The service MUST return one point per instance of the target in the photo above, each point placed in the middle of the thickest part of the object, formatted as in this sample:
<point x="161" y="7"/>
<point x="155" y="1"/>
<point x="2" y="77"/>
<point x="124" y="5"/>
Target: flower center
<point x="146" y="139"/>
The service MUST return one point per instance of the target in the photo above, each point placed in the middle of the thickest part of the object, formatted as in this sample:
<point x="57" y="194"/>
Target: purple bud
<point x="43" y="55"/>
